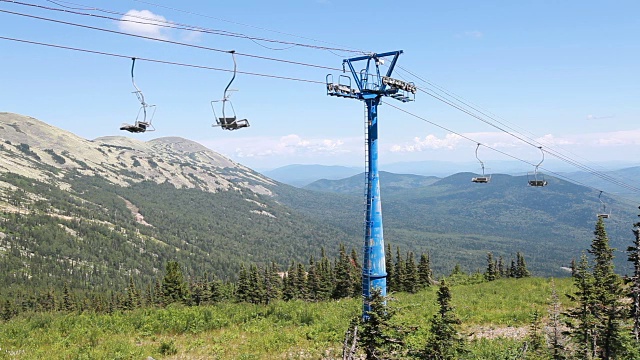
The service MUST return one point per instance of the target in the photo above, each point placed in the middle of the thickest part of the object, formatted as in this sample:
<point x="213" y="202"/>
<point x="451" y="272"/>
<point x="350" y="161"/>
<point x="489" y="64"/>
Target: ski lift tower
<point x="370" y="87"/>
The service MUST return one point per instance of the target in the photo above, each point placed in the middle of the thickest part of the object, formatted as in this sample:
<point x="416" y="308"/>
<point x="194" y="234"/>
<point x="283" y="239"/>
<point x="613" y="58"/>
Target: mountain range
<point x="90" y="212"/>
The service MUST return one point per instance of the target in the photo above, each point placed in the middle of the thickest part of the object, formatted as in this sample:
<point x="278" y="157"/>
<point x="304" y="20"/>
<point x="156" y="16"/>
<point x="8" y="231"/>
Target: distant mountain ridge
<point x="463" y="219"/>
<point x="301" y="175"/>
<point x="355" y="184"/>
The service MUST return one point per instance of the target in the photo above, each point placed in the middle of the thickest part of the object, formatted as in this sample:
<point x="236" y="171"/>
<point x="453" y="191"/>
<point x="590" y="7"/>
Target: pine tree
<point x="389" y="267"/>
<point x="133" y="297"/>
<point x="521" y="267"/>
<point x="501" y="268"/>
<point x="216" y="289"/>
<point x="512" y="269"/>
<point x="444" y="343"/>
<point x="272" y="283"/>
<point x="68" y="302"/>
<point x="313" y="281"/>
<point x="289" y="291"/>
<point x="581" y="321"/>
<point x="243" y="285"/>
<point x="256" y="291"/>
<point x="356" y="274"/>
<point x="325" y="288"/>
<point x="556" y="342"/>
<point x="634" y="281"/>
<point x="174" y="288"/>
<point x="490" y="273"/>
<point x="608" y="293"/>
<point x="412" y="278"/>
<point x="158" y="296"/>
<point x="536" y="342"/>
<point x="343" y="281"/>
<point x="7" y="311"/>
<point x="424" y="271"/>
<point x="300" y="283"/>
<point x="378" y="337"/>
<point x="398" y="272"/>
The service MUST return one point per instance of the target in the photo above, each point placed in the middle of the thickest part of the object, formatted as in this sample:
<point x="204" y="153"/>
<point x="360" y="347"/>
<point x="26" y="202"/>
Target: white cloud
<point x="617" y="138"/>
<point x="500" y="140"/>
<point x="551" y="140"/>
<point x="595" y="117"/>
<point x="475" y="34"/>
<point x="429" y="142"/>
<point x="287" y="146"/>
<point x="143" y="22"/>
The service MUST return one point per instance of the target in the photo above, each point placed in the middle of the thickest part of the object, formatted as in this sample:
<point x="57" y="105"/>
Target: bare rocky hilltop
<point x="34" y="149"/>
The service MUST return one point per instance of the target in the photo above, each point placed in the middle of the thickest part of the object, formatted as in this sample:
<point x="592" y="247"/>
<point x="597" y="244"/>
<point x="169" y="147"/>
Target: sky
<point x="563" y="73"/>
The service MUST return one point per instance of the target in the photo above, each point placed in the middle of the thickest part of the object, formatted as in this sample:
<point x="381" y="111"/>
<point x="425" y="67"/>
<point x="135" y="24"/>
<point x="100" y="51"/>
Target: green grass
<point x="283" y="330"/>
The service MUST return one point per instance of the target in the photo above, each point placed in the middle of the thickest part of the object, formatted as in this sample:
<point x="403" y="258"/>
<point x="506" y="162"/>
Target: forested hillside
<point x="458" y="220"/>
<point x="92" y="212"/>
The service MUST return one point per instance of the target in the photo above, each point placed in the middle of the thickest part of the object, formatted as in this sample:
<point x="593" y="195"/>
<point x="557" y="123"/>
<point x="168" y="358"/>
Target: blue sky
<point x="564" y="72"/>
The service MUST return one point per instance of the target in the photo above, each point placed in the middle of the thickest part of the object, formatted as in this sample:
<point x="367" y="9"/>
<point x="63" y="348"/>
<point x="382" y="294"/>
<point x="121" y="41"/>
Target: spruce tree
<point x="343" y="276"/>
<point x="556" y="341"/>
<point x="272" y="283"/>
<point x="424" y="270"/>
<point x="325" y="288"/>
<point x="608" y="292"/>
<point x="289" y="290"/>
<point x="7" y="311"/>
<point x="581" y="319"/>
<point x="356" y="274"/>
<point x="300" y="283"/>
<point x="174" y="288"/>
<point x="242" y="286"/>
<point x="444" y="343"/>
<point x="256" y="291"/>
<point x="389" y="268"/>
<point x="412" y="278"/>
<point x="68" y="302"/>
<point x="512" y="269"/>
<point x="634" y="281"/>
<point x="398" y="272"/>
<point x="521" y="266"/>
<point x="378" y="337"/>
<point x="157" y="293"/>
<point x="133" y="300"/>
<point x="490" y="273"/>
<point x="313" y="281"/>
<point x="501" y="268"/>
<point x="536" y="342"/>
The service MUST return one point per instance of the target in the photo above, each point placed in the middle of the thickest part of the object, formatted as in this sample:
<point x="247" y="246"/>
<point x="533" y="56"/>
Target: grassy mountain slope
<point x="495" y="314"/>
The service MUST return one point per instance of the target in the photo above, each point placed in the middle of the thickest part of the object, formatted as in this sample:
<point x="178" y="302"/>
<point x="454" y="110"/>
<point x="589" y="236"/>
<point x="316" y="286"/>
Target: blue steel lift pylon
<point x="371" y="87"/>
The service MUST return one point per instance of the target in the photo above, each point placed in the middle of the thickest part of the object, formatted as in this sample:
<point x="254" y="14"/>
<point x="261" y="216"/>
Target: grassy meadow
<point x="494" y="315"/>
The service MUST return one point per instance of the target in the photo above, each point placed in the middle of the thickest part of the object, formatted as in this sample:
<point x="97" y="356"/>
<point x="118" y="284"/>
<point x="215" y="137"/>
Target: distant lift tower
<point x="371" y="86"/>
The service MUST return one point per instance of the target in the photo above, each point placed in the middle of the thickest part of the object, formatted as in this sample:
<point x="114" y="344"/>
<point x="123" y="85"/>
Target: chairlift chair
<point x="228" y="121"/>
<point x="141" y="124"/>
<point x="604" y="214"/>
<point x="484" y="179"/>
<point x="536" y="179"/>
